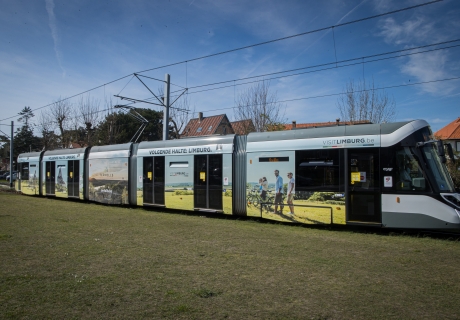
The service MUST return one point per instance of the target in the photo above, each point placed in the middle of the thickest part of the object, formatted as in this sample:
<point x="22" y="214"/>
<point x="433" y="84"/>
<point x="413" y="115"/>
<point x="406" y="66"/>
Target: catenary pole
<point x="11" y="154"/>
<point x="166" y="108"/>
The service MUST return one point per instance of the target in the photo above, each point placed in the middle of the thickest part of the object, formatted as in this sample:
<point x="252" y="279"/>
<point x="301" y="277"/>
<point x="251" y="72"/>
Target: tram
<point x="389" y="175"/>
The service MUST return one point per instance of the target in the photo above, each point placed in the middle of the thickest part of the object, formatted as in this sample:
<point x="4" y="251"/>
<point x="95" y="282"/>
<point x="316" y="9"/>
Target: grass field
<point x="62" y="259"/>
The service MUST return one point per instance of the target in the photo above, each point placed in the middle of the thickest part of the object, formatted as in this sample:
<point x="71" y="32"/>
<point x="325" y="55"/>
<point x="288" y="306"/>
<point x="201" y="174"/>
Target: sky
<point x="55" y="49"/>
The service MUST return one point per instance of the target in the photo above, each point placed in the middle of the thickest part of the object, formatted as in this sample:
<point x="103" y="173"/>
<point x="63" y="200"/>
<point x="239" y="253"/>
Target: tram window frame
<point x="25" y="168"/>
<point x="313" y="166"/>
<point x="178" y="164"/>
<point x="393" y="165"/>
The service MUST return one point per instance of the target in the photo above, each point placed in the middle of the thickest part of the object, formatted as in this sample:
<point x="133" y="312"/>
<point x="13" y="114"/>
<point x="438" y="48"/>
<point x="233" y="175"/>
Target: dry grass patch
<point x="61" y="259"/>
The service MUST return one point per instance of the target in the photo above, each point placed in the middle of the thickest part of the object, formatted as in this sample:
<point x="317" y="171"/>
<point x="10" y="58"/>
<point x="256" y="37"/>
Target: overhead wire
<point x="242" y="48"/>
<point x="324" y="69"/>
<point x="326" y="64"/>
<point x="342" y="93"/>
<point x="294" y="36"/>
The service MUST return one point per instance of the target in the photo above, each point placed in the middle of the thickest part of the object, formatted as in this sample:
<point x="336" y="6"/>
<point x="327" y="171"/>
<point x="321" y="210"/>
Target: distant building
<point x="206" y="126"/>
<point x="295" y="125"/>
<point x="451" y="134"/>
<point x="74" y="145"/>
<point x="243" y="126"/>
<point x="215" y="125"/>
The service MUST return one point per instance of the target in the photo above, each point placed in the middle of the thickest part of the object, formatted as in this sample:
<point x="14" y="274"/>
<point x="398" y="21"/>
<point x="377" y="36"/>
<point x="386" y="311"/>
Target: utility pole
<point x="166" y="108"/>
<point x="11" y="154"/>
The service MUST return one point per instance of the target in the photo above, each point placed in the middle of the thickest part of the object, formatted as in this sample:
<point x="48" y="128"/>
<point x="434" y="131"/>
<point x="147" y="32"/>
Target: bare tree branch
<point x="364" y="102"/>
<point x="60" y="112"/>
<point x="89" y="113"/>
<point x="261" y="106"/>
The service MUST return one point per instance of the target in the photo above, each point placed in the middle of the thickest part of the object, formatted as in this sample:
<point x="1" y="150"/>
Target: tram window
<point x="318" y="170"/>
<point x="25" y="171"/>
<point x="408" y="174"/>
<point x="178" y="164"/>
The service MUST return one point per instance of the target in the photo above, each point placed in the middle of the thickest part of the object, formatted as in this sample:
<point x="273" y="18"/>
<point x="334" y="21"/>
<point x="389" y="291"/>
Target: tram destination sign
<point x="207" y="149"/>
<point x="63" y="157"/>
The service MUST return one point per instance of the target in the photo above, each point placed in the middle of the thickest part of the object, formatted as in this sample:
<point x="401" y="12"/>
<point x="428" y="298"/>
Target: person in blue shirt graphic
<point x="279" y="192"/>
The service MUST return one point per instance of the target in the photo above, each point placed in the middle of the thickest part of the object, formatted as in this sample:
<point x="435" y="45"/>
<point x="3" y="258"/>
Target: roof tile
<point x="451" y="131"/>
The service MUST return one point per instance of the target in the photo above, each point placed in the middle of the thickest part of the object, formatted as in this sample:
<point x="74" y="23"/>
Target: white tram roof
<point x="385" y="134"/>
<point x="29" y="156"/>
<point x="111" y="151"/>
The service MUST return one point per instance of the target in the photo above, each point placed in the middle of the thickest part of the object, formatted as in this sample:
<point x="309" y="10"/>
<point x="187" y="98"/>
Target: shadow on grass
<point x="364" y="229"/>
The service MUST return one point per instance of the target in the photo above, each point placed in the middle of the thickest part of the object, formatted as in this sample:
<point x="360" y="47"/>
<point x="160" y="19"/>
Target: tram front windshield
<point x="438" y="169"/>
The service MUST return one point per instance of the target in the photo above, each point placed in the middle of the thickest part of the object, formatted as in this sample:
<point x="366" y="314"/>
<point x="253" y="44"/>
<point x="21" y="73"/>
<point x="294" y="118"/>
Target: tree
<point x="454" y="171"/>
<point x="261" y="106"/>
<point x="119" y="127"/>
<point x="89" y="113"/>
<point x="363" y="101"/>
<point x="24" y="139"/>
<point x="49" y="140"/>
<point x="26" y="114"/>
<point x="61" y="113"/>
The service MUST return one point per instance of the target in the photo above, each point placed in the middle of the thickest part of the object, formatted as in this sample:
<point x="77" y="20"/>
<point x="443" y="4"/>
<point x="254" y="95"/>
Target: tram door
<point x="363" y="186"/>
<point x="208" y="181"/>
<point x="154" y="180"/>
<point x="23" y="174"/>
<point x="73" y="178"/>
<point x="50" y="182"/>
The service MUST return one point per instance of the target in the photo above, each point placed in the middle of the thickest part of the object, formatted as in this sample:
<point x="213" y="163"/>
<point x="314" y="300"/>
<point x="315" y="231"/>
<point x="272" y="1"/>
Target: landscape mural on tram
<point x="108" y="180"/>
<point x="180" y="172"/>
<point x="63" y="173"/>
<point x="28" y="177"/>
<point x="312" y="201"/>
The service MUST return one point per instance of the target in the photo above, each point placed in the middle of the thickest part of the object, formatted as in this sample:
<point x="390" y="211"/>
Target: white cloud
<point x="428" y="67"/>
<point x="409" y="31"/>
<point x="54" y="32"/>
<point x="423" y="67"/>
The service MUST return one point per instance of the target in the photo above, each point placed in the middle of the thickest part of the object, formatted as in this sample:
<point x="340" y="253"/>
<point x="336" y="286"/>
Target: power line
<point x="295" y="99"/>
<point x="342" y="93"/>
<point x="245" y="47"/>
<point x="295" y="35"/>
<point x="75" y="95"/>
<point x="309" y="67"/>
<point x="326" y="64"/>
<point x="331" y="64"/>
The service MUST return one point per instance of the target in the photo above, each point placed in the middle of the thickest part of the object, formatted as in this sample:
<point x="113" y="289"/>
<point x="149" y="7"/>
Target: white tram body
<point x="389" y="175"/>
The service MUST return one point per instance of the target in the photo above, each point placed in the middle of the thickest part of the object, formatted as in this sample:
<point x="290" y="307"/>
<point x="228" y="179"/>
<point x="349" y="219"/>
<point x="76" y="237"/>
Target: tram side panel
<point x="108" y="180"/>
<point x="179" y="190"/>
<point x="63" y="173"/>
<point x="108" y="173"/>
<point x="319" y="196"/>
<point x="408" y="199"/>
<point x="185" y="178"/>
<point x="29" y="174"/>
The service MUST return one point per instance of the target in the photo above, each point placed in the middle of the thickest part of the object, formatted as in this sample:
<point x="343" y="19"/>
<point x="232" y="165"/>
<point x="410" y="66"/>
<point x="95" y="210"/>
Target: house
<point x="295" y="125"/>
<point x="243" y="126"/>
<point x="206" y="126"/>
<point x="450" y="134"/>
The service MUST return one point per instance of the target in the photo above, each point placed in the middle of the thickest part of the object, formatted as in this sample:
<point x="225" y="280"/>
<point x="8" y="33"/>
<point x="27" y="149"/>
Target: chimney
<point x="200" y="116"/>
<point x="294" y="124"/>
